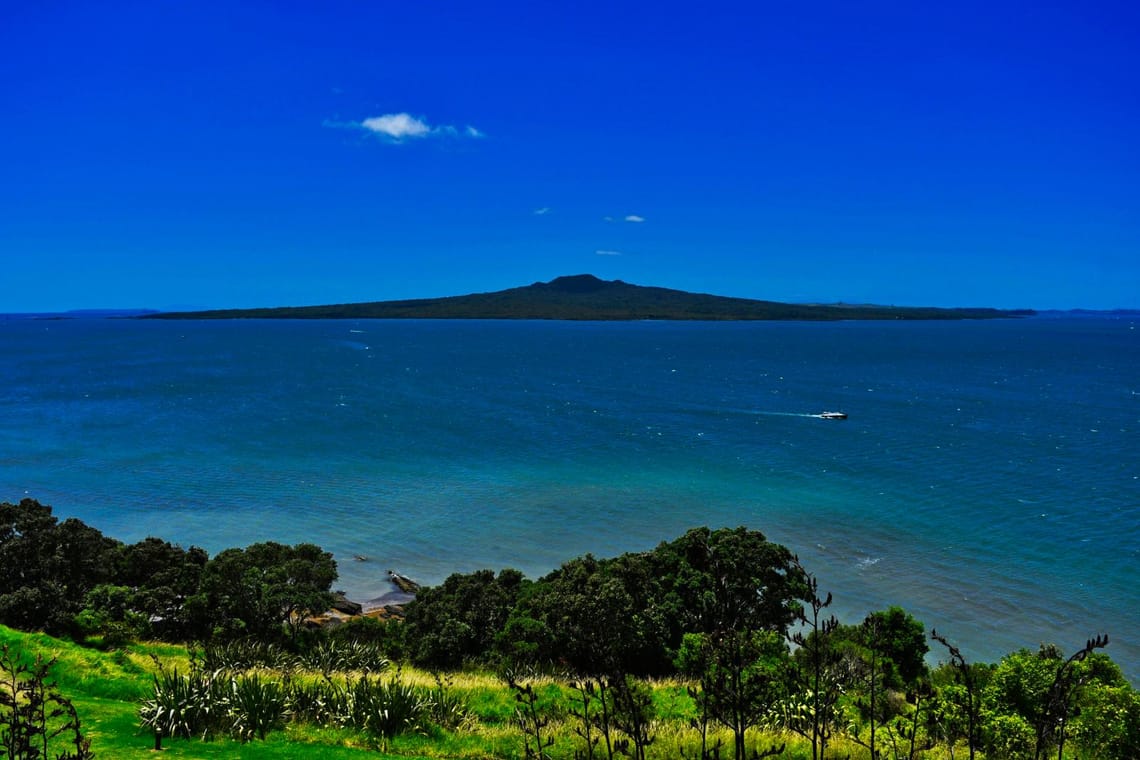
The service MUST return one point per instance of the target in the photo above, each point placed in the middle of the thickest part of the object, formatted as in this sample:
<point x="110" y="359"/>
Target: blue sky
<point x="226" y="154"/>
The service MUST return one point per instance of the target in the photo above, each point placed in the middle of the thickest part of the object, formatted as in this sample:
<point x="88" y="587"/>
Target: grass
<point x="107" y="689"/>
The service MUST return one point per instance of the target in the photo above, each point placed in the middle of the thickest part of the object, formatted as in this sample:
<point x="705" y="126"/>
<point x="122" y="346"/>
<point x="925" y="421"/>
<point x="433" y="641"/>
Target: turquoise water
<point x="986" y="480"/>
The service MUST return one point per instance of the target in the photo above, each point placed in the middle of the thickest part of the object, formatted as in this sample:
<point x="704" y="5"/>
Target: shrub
<point x="1010" y="737"/>
<point x="35" y="719"/>
<point x="345" y="655"/>
<point x="244" y="654"/>
<point x="256" y="706"/>
<point x="194" y="704"/>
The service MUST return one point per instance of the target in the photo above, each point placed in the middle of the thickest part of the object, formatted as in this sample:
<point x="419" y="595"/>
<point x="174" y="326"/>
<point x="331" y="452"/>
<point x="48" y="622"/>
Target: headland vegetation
<point x="718" y="643"/>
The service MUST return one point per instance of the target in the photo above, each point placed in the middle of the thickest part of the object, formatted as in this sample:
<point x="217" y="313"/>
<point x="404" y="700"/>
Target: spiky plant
<point x="256" y="706"/>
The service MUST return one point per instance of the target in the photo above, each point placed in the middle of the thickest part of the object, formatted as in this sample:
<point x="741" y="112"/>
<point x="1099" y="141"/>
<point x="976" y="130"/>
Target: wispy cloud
<point x="401" y="127"/>
<point x="635" y="218"/>
<point x="397" y="126"/>
<point x="608" y="253"/>
<point x="542" y="211"/>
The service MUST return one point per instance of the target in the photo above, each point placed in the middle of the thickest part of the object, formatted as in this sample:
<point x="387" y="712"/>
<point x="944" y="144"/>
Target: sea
<point x="986" y="479"/>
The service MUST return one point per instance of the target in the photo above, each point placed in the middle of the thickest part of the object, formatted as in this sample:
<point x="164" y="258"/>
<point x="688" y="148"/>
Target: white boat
<point x="832" y="415"/>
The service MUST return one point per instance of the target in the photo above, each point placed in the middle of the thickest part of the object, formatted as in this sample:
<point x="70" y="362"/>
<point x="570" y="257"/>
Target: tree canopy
<point x="256" y="590"/>
<point x="49" y="566"/>
<point x="622" y="614"/>
<point x="67" y="577"/>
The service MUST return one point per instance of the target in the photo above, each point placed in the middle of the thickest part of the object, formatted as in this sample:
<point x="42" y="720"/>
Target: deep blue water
<point x="987" y="478"/>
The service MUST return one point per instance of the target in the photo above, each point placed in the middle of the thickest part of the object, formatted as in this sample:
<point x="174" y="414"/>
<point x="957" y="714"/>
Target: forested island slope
<point x="585" y="297"/>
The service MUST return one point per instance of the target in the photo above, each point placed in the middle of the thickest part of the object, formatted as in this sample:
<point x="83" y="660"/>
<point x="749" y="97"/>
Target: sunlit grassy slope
<point x="107" y="689"/>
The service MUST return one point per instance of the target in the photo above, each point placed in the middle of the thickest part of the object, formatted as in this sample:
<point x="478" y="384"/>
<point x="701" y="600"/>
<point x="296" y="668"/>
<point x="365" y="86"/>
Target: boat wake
<point x="785" y="414"/>
<point x="819" y="415"/>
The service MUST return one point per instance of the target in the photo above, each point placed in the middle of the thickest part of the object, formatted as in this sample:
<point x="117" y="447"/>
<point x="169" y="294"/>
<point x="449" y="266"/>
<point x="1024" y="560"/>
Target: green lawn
<point x="107" y="689"/>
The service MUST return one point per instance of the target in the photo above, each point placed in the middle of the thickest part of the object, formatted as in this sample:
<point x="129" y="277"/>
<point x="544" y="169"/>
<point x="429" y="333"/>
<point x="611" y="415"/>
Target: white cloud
<point x="608" y="253"/>
<point x="608" y="218"/>
<point x="397" y="126"/>
<point x="635" y="218"/>
<point x="401" y="127"/>
<point x="542" y="211"/>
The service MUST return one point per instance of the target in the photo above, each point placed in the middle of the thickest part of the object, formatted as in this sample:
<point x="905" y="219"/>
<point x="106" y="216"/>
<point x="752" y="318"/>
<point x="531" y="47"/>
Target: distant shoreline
<point x="587" y="298"/>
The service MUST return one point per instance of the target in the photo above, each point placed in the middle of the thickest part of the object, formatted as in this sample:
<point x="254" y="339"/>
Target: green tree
<point x="147" y="597"/>
<point x="1020" y="682"/>
<point x="597" y="617"/>
<point x="1009" y="737"/>
<point x="163" y="576"/>
<point x="741" y="676"/>
<point x="458" y="621"/>
<point x="816" y="677"/>
<point x="900" y="640"/>
<point x="727" y="579"/>
<point x="883" y="656"/>
<point x="1068" y="687"/>
<point x="1044" y="690"/>
<point x="48" y="566"/>
<point x="1108" y="726"/>
<point x="108" y="610"/>
<point x="265" y="589"/>
<point x="629" y="614"/>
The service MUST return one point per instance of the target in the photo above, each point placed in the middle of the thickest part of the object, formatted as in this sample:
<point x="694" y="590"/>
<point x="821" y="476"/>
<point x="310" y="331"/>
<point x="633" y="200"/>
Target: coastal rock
<point x="387" y="612"/>
<point x="386" y="607"/>
<point x="403" y="582"/>
<point x="343" y="604"/>
<point x="318" y="622"/>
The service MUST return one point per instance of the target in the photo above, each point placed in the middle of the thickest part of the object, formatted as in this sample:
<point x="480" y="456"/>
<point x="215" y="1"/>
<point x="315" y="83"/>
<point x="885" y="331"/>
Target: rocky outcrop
<point x="389" y="606"/>
<point x="344" y="605"/>
<point x="403" y="582"/>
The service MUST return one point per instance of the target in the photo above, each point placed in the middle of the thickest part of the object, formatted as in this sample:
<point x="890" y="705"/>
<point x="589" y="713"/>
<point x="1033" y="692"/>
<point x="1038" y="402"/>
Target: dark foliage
<point x="162" y="577"/>
<point x="727" y="579"/>
<point x="593" y="616"/>
<point x="68" y="578"/>
<point x="900" y="641"/>
<point x="48" y="566"/>
<point x="629" y="614"/>
<point x="264" y="589"/>
<point x="458" y="621"/>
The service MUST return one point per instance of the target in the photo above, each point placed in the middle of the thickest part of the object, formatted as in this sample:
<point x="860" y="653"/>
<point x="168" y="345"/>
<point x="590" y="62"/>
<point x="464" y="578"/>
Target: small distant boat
<point x="832" y="415"/>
